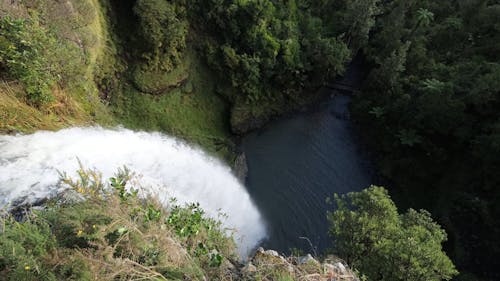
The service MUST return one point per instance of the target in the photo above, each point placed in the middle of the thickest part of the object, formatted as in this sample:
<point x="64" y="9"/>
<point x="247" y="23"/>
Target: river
<point x="295" y="163"/>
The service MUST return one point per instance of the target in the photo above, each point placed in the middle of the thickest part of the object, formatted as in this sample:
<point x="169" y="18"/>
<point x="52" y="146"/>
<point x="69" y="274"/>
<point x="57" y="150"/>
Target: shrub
<point x="24" y="248"/>
<point x="384" y="245"/>
<point x="25" y="47"/>
<point x="163" y="26"/>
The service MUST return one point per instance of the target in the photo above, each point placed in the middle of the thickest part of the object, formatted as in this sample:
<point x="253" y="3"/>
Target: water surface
<point x="296" y="163"/>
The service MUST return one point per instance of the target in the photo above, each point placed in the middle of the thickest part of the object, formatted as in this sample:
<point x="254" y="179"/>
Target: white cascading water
<point x="30" y="166"/>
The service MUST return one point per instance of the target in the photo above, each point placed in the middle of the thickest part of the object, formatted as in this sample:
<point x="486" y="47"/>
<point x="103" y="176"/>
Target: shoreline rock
<point x="305" y="268"/>
<point x="240" y="167"/>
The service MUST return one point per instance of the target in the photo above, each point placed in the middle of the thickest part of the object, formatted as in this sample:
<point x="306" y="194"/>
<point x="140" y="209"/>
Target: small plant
<point x="23" y="249"/>
<point x="216" y="259"/>
<point x="119" y="183"/>
<point x="152" y="214"/>
<point x="377" y="111"/>
<point x="186" y="223"/>
<point x="191" y="224"/>
<point x="409" y="137"/>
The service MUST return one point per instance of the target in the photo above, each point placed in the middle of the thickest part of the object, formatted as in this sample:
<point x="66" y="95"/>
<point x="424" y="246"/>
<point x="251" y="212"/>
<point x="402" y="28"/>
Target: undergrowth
<point x="50" y="54"/>
<point x="110" y="232"/>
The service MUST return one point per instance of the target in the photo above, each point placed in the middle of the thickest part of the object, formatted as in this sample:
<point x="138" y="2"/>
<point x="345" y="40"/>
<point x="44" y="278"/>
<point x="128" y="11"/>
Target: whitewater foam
<point x="30" y="166"/>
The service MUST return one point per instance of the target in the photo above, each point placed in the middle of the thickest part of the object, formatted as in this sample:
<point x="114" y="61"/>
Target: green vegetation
<point x="191" y="69"/>
<point x="266" y="52"/>
<point x="192" y="111"/>
<point x="48" y="53"/>
<point x="106" y="230"/>
<point x="203" y="69"/>
<point x="24" y="51"/>
<point x="159" y="55"/>
<point x="429" y="108"/>
<point x="163" y="28"/>
<point x="108" y="233"/>
<point x="384" y="245"/>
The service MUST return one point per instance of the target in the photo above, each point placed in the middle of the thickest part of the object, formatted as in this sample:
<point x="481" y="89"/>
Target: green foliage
<point x="409" y="137"/>
<point x="25" y="50"/>
<point x="359" y="16"/>
<point x="424" y="17"/>
<point x="49" y="74"/>
<point x="377" y="111"/>
<point x="23" y="248"/>
<point x="189" y="222"/>
<point x="385" y="245"/>
<point x="267" y="48"/>
<point x="119" y="184"/>
<point x="432" y="72"/>
<point x="110" y="234"/>
<point x="163" y="28"/>
<point x="199" y="116"/>
<point x="159" y="82"/>
<point x="152" y="214"/>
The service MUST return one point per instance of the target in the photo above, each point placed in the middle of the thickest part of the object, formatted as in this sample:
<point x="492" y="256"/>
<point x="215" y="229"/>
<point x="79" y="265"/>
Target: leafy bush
<point x="189" y="223"/>
<point x="163" y="26"/>
<point x="24" y="50"/>
<point x="435" y="102"/>
<point x="384" y="245"/>
<point x="24" y="248"/>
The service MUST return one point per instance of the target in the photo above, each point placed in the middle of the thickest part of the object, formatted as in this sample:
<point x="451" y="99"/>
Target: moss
<point x="158" y="82"/>
<point x="199" y="115"/>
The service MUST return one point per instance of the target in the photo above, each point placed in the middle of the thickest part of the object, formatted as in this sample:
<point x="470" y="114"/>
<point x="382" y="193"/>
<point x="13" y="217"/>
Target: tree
<point x="385" y="245"/>
<point x="440" y="99"/>
<point x="424" y="19"/>
<point x="360" y="17"/>
<point x="163" y="27"/>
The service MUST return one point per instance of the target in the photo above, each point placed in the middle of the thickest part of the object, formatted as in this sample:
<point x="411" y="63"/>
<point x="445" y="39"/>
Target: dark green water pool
<point x="295" y="163"/>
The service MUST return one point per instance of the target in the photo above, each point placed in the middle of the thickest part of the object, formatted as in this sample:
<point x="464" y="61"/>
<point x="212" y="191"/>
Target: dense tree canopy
<point x="269" y="48"/>
<point x="163" y="27"/>
<point x="430" y="108"/>
<point x="384" y="245"/>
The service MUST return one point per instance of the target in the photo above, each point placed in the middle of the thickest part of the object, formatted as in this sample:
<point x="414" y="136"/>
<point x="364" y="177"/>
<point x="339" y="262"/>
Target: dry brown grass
<point x="118" y="260"/>
<point x="269" y="267"/>
<point x="13" y="8"/>
<point x="17" y="116"/>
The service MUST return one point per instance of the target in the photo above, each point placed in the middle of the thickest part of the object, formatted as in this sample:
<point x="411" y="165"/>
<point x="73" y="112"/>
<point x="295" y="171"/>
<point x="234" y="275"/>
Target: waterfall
<point x="168" y="167"/>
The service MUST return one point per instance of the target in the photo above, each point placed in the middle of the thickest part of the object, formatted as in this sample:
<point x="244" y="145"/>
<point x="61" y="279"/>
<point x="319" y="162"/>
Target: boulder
<point x="249" y="268"/>
<point x="306" y="259"/>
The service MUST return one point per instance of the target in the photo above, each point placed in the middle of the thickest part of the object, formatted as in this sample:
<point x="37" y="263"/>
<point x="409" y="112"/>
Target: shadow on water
<point x="295" y="163"/>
